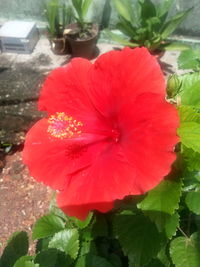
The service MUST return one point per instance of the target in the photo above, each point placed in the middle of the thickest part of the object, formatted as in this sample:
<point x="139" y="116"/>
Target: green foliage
<point x="138" y="237"/>
<point x="47" y="226"/>
<point x="185" y="251"/>
<point x="145" y="23"/>
<point x="189" y="59"/>
<point x="67" y="241"/>
<point x="58" y="16"/>
<point x="16" y="248"/>
<point x="81" y="7"/>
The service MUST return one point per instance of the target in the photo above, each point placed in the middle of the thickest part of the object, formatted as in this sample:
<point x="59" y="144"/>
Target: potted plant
<point x="58" y="15"/>
<point x="146" y="24"/>
<point x="82" y="35"/>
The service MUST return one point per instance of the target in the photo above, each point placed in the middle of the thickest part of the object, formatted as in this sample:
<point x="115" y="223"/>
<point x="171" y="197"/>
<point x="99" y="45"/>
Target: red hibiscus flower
<point x="109" y="132"/>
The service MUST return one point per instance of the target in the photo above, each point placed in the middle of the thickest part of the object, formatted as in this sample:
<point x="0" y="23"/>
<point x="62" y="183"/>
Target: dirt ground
<point x="23" y="200"/>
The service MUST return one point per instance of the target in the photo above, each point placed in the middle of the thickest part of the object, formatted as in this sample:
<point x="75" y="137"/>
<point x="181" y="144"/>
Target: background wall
<point x="34" y="10"/>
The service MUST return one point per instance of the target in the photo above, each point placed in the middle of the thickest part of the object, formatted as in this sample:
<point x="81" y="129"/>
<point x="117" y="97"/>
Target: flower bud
<point x="173" y="85"/>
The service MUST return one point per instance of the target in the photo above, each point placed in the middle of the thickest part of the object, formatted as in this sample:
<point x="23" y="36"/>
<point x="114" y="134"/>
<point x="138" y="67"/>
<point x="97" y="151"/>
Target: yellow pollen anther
<point x="63" y="126"/>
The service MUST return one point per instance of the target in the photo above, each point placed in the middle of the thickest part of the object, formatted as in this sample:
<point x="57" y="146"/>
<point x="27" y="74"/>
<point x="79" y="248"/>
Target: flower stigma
<point x="63" y="126"/>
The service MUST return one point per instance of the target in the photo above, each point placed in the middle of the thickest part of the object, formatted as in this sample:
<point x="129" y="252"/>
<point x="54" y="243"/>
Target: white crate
<point x="18" y="37"/>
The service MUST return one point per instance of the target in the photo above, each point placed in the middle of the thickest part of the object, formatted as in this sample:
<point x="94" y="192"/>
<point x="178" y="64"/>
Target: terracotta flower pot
<point x="59" y="46"/>
<point x="85" y="48"/>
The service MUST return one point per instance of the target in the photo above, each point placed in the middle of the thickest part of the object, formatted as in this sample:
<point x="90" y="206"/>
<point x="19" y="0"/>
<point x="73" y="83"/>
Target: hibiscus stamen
<point x="63" y="126"/>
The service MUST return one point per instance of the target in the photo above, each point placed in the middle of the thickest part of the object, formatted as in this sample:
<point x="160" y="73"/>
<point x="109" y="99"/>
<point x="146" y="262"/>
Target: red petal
<point x="118" y="76"/>
<point x="109" y="178"/>
<point x="65" y="90"/>
<point x="149" y="135"/>
<point x="52" y="160"/>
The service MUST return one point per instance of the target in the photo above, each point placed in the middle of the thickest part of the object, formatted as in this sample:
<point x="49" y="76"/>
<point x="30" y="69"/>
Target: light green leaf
<point x="139" y="238"/>
<point x="189" y="133"/>
<point x="192" y="200"/>
<point x="189" y="59"/>
<point x="66" y="241"/>
<point x="117" y="38"/>
<point x="91" y="260"/>
<point x="191" y="95"/>
<point x="163" y="7"/>
<point x="124" y="8"/>
<point x="47" y="225"/>
<point x="173" y="23"/>
<point x="174" y="46"/>
<point x="16" y="248"/>
<point x="185" y="251"/>
<point x="26" y="261"/>
<point x="85" y="6"/>
<point x="189" y="114"/>
<point x="164" y="198"/>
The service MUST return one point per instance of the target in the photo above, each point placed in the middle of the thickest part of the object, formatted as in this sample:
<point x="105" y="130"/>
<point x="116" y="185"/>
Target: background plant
<point x="58" y="16"/>
<point x="81" y="7"/>
<point x="145" y="23"/>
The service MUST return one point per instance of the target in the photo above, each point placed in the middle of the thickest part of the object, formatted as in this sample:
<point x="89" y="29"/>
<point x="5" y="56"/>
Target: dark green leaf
<point x="192" y="200"/>
<point x="67" y="241"/>
<point x="47" y="258"/>
<point x="185" y="251"/>
<point x="91" y="260"/>
<point x="53" y="258"/>
<point x="47" y="225"/>
<point x="148" y="10"/>
<point x="17" y="247"/>
<point x="139" y="238"/>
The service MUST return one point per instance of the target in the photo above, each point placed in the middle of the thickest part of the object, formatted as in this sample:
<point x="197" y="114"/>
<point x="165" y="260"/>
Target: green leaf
<point x="85" y="6"/>
<point x="191" y="95"/>
<point x="77" y="4"/>
<point x="81" y="224"/>
<point x="117" y="38"/>
<point x="47" y="225"/>
<point x="163" y="7"/>
<point x="139" y="238"/>
<point x="189" y="114"/>
<point x="192" y="159"/>
<point x="67" y="241"/>
<point x="185" y="251"/>
<point x="124" y="8"/>
<point x="158" y="198"/>
<point x="189" y="59"/>
<point x="173" y="23"/>
<point x="53" y="258"/>
<point x="26" y="261"/>
<point x="192" y="200"/>
<point x="189" y="134"/>
<point x="17" y="247"/>
<point x="174" y="46"/>
<point x="171" y="225"/>
<point x="91" y="260"/>
<point x="148" y="10"/>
